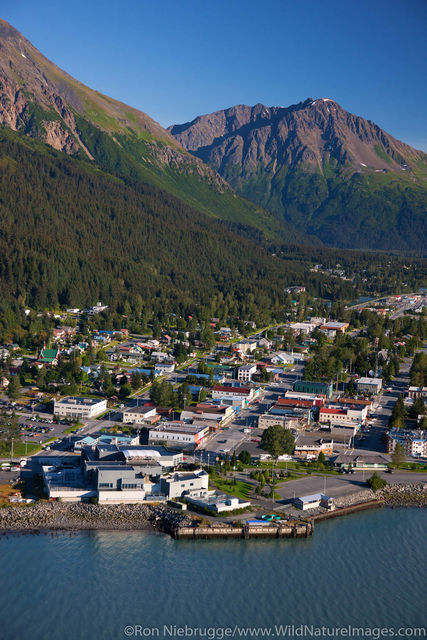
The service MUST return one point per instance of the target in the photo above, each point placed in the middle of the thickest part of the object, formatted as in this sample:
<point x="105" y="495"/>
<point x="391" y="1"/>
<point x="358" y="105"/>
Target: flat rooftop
<point x="375" y="381"/>
<point x="147" y="452"/>
<point x="172" y="427"/>
<point x="142" y="410"/>
<point x="315" y="497"/>
<point x="86" y="402"/>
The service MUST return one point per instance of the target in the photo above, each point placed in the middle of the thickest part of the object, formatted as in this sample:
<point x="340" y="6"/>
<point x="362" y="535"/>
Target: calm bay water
<point x="367" y="569"/>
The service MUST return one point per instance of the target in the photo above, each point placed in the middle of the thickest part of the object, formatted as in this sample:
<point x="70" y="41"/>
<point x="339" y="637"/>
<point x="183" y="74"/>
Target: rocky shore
<point x="404" y="495"/>
<point x="57" y="516"/>
<point x="393" y="495"/>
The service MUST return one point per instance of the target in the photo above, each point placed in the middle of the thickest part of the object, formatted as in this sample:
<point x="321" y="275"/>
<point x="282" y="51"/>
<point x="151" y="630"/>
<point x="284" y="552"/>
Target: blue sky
<point x="176" y="59"/>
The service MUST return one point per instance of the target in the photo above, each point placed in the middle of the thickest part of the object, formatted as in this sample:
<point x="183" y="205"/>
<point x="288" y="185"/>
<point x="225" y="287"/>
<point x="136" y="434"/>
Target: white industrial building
<point x="79" y="407"/>
<point x="179" y="434"/>
<point x="217" y="502"/>
<point x="139" y="415"/>
<point x="179" y="484"/>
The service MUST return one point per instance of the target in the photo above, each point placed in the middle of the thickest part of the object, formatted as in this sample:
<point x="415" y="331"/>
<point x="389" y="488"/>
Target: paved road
<point x="234" y="437"/>
<point x="374" y="439"/>
<point x="343" y="484"/>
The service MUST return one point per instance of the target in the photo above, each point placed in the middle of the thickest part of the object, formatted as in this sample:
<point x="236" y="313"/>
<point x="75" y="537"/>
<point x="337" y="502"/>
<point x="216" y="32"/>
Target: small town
<point x="257" y="426"/>
<point x="213" y="320"/>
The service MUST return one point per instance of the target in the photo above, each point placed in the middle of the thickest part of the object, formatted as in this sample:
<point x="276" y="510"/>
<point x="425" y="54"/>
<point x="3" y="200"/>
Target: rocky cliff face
<point x="28" y="78"/>
<point x="309" y="133"/>
<point x="41" y="100"/>
<point x="314" y="164"/>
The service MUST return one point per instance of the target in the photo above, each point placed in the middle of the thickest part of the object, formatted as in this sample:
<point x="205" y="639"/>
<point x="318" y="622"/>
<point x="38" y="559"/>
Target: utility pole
<point x="272" y="487"/>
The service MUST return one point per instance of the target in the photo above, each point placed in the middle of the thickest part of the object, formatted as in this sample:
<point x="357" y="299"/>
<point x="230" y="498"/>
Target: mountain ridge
<point x="43" y="101"/>
<point x="314" y="162"/>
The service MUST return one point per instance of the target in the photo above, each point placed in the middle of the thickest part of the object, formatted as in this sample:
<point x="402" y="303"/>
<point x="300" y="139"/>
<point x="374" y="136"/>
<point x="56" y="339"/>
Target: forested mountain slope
<point x="328" y="172"/>
<point x="43" y="101"/>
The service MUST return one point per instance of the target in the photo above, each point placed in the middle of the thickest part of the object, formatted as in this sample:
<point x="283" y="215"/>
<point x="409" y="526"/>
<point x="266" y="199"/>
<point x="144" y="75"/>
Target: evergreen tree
<point x="14" y="388"/>
<point x="398" y="456"/>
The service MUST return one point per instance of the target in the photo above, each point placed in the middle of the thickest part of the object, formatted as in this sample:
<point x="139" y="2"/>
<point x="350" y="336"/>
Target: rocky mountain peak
<point x="307" y="159"/>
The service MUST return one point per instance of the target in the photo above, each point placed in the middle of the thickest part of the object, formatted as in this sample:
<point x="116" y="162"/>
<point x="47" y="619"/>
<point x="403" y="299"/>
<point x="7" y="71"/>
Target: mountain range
<point x="98" y="201"/>
<point x="41" y="100"/>
<point x="331" y="174"/>
<point x="309" y="173"/>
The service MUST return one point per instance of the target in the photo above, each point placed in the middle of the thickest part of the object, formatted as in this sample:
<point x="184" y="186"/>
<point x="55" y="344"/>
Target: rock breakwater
<point x="56" y="516"/>
<point x="404" y="495"/>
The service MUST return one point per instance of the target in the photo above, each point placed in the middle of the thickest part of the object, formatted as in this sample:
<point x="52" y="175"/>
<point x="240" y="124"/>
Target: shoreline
<point x="52" y="517"/>
<point x="69" y="518"/>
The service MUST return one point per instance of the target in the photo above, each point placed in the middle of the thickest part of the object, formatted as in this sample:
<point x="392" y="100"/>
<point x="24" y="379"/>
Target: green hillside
<point x="371" y="210"/>
<point x="72" y="234"/>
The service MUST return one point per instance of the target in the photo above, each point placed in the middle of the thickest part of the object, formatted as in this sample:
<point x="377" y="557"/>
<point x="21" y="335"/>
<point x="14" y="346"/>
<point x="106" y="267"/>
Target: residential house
<point x="97" y="308"/>
<point x="265" y="343"/>
<point x="281" y="357"/>
<point x="160" y="356"/>
<point x="163" y="368"/>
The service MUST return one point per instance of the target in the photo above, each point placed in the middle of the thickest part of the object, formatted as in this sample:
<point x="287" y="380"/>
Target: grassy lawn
<point x="71" y="429"/>
<point x="7" y="490"/>
<point x="295" y="466"/>
<point x="413" y="466"/>
<point x="19" y="449"/>
<point x="239" y="489"/>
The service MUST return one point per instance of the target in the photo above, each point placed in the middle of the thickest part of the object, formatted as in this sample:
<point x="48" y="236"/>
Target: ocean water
<point x="366" y="570"/>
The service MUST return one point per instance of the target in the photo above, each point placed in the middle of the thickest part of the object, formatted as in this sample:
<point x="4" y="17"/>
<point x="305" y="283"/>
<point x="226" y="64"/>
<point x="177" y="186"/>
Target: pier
<point x="284" y="529"/>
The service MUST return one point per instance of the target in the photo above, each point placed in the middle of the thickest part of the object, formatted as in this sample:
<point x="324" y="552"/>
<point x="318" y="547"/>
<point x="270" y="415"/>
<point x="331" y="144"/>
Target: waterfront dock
<point x="284" y="529"/>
